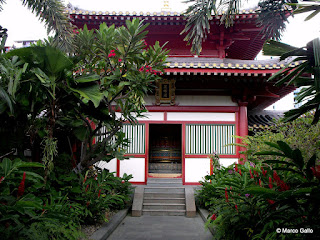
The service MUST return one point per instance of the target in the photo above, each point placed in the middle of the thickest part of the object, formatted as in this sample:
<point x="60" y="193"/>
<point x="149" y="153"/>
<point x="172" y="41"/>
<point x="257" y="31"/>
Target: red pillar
<point x="243" y="124"/>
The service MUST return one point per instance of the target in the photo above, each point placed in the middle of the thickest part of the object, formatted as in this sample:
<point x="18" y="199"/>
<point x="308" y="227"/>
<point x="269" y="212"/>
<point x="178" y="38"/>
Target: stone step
<point x="164" y="189"/>
<point x="163" y="200"/>
<point x="163" y="195"/>
<point x="164" y="212"/>
<point x="171" y="180"/>
<point x="164" y="184"/>
<point x="164" y="206"/>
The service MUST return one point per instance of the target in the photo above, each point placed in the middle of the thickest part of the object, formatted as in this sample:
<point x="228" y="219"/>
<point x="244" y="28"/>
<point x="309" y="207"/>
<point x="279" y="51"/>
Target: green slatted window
<point x="136" y="136"/>
<point x="209" y="138"/>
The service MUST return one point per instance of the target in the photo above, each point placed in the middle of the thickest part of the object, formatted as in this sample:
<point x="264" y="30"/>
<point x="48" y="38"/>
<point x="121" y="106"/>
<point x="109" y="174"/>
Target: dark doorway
<point x="165" y="148"/>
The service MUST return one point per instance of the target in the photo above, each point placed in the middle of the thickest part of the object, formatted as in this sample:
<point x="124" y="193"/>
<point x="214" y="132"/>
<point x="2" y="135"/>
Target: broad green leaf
<point x="6" y="166"/>
<point x="91" y="93"/>
<point x="297" y="158"/>
<point x="29" y="164"/>
<point x="270" y="153"/>
<point x="285" y="148"/>
<point x="87" y="78"/>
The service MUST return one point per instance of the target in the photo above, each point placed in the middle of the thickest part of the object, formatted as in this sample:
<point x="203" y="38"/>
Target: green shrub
<point x="251" y="201"/>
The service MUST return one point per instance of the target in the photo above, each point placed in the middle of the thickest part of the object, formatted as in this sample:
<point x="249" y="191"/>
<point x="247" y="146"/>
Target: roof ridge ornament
<point x="166" y="6"/>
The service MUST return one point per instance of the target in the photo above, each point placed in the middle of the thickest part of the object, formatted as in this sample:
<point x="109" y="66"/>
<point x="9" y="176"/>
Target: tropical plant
<point x="250" y="201"/>
<point x="24" y="210"/>
<point x="52" y="13"/>
<point x="126" y="70"/>
<point x="114" y="78"/>
<point x="299" y="133"/>
<point x="305" y="74"/>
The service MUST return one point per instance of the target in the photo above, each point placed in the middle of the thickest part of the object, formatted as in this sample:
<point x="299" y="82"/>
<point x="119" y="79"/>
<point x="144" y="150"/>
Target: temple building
<point x="202" y="101"/>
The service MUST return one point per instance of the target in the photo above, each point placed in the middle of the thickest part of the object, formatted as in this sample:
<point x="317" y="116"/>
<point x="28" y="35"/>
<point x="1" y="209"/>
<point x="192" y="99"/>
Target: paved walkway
<point x="161" y="227"/>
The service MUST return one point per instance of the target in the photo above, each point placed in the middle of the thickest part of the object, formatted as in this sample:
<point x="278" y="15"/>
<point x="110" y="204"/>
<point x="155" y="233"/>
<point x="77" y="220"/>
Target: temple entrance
<point x="165" y="149"/>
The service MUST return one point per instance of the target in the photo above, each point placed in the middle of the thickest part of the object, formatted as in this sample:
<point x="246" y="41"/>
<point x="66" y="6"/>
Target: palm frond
<point x="1" y="3"/>
<point x="273" y="16"/>
<point x="51" y="12"/>
<point x="198" y="26"/>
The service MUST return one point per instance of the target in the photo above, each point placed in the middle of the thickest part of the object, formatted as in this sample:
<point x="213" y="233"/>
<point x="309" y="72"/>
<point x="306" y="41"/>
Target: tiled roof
<point x="263" y="119"/>
<point x="217" y="63"/>
<point x="162" y="13"/>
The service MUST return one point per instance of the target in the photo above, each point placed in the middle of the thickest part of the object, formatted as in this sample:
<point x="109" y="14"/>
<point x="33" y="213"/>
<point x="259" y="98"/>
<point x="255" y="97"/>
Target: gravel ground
<point x="88" y="230"/>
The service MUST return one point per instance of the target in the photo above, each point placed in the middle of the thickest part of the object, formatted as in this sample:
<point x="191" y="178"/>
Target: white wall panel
<point x="203" y="116"/>
<point x="152" y="116"/>
<point x="196" y="169"/>
<point x="186" y="100"/>
<point x="134" y="166"/>
<point x="227" y="161"/>
<point x="111" y="166"/>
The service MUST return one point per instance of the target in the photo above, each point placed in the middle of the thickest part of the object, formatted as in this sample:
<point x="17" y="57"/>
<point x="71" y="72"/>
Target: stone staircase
<point x="163" y="197"/>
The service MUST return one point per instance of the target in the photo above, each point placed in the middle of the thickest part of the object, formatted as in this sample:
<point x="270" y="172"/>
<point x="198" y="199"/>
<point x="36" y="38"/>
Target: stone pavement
<point x="161" y="227"/>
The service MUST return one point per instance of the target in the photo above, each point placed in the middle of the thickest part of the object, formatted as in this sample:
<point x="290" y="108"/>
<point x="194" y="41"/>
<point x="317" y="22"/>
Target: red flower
<point x="260" y="182"/>
<point x="240" y="172"/>
<point x="236" y="207"/>
<point x="264" y="172"/>
<point x="85" y="179"/>
<point x="21" y="186"/>
<point x="1" y="179"/>
<point x="145" y="43"/>
<point x="119" y="60"/>
<point x="141" y="69"/>
<point x="226" y="194"/>
<point x="251" y="176"/>
<point x="316" y="171"/>
<point x="213" y="217"/>
<point x="271" y="202"/>
<point x="99" y="193"/>
<point x="283" y="186"/>
<point x="88" y="203"/>
<point x="270" y="183"/>
<point x="87" y="187"/>
<point x="255" y="173"/>
<point x="276" y="178"/>
<point x="111" y="54"/>
<point x="236" y="168"/>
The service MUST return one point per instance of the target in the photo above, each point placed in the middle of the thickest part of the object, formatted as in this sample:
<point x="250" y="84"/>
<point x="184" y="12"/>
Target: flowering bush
<point x="252" y="200"/>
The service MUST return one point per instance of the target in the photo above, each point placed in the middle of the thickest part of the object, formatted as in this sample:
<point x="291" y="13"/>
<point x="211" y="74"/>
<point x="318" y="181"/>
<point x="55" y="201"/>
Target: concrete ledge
<point x="204" y="214"/>
<point x="190" y="202"/>
<point x="107" y="228"/>
<point x="137" y="201"/>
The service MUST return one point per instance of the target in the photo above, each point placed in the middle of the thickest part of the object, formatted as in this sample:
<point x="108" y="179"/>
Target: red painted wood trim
<point x="192" y="183"/>
<point x="189" y="122"/>
<point x="147" y="153"/>
<point x="183" y="149"/>
<point x="221" y="70"/>
<point x="118" y="168"/>
<point x="138" y="183"/>
<point x="237" y="134"/>
<point x="149" y="176"/>
<point x="135" y="155"/>
<point x="224" y="109"/>
<point x="206" y="156"/>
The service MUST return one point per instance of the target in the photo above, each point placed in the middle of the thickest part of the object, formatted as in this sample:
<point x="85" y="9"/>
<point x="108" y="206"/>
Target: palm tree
<point x="272" y="18"/>
<point x="51" y="12"/>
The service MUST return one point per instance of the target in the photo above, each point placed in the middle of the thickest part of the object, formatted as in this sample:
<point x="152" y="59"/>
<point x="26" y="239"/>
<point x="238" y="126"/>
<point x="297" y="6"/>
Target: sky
<point x="23" y="25"/>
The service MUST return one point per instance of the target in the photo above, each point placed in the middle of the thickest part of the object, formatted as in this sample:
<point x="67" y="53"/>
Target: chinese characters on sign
<point x="165" y="92"/>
